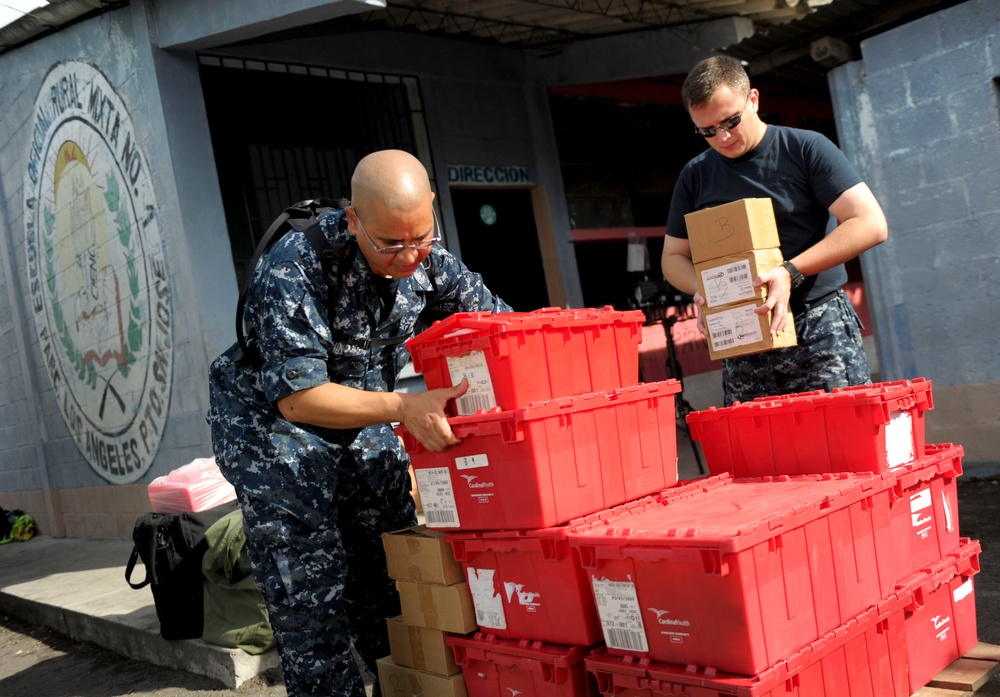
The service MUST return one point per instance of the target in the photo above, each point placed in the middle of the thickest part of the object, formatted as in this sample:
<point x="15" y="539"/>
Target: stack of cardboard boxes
<point x="731" y="245"/>
<point x="434" y="599"/>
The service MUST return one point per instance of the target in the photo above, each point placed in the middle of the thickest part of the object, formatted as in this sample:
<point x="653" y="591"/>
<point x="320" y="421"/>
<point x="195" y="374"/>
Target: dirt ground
<point x="38" y="662"/>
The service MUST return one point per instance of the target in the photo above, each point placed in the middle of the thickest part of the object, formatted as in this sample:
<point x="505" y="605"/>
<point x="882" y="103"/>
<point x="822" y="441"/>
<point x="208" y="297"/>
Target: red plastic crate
<point x="528" y="585"/>
<point x="513" y="359"/>
<point x="924" y="509"/>
<point x="940" y="622"/>
<point x="851" y="429"/>
<point x="552" y="462"/>
<point x="737" y="575"/>
<point x="865" y="657"/>
<point x="493" y="666"/>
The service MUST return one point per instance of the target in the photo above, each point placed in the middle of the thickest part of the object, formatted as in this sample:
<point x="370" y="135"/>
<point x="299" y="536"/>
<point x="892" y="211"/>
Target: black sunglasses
<point x="727" y="125"/>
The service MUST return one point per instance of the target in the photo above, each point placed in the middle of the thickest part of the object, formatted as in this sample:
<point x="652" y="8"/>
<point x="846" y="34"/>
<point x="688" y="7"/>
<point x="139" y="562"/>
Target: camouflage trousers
<point x="323" y="577"/>
<point x="829" y="354"/>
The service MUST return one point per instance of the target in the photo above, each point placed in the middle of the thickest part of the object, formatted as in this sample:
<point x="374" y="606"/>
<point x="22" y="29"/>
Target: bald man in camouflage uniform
<point x="303" y="434"/>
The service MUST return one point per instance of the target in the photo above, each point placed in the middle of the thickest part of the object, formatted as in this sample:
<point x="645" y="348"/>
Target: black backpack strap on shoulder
<point x="300" y="216"/>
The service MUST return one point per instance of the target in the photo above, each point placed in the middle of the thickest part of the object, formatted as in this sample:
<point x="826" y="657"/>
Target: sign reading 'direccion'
<point x="489" y="175"/>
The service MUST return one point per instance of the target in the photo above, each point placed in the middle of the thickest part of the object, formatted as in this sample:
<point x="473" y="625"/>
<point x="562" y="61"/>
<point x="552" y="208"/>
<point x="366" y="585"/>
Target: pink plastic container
<point x="196" y="486"/>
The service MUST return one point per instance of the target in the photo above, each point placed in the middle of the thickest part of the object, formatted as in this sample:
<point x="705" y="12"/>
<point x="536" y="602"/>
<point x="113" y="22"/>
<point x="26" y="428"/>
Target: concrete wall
<point x="919" y="114"/>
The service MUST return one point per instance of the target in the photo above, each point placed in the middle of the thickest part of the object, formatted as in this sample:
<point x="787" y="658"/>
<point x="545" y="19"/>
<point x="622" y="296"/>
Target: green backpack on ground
<point x="235" y="614"/>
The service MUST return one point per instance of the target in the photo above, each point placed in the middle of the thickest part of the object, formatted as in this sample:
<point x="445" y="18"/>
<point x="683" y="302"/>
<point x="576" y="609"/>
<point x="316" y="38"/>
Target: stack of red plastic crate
<point x="831" y="564"/>
<point x="555" y="426"/>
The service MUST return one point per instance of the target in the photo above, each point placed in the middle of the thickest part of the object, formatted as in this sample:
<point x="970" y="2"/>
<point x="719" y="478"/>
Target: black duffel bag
<point x="171" y="546"/>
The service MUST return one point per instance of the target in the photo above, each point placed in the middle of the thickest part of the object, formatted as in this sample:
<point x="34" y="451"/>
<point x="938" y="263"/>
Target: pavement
<point x="77" y="587"/>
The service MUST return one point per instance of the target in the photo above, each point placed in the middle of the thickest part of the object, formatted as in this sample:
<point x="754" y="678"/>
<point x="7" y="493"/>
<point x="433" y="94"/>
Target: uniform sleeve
<point x="287" y="309"/>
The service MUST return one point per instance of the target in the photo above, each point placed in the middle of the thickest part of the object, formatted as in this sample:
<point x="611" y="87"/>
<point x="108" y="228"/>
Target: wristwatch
<point x="794" y="273"/>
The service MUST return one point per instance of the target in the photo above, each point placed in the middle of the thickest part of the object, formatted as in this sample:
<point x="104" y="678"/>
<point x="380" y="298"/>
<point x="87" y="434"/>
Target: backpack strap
<point x="300" y="216"/>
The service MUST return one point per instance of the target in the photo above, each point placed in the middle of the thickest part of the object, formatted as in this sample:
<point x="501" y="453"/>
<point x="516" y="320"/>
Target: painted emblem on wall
<point x="97" y="272"/>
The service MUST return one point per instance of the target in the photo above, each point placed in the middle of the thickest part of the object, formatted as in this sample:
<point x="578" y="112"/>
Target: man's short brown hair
<point x="709" y="75"/>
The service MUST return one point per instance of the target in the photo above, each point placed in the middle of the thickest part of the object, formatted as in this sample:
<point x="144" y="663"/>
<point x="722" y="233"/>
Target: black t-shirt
<point x="802" y="172"/>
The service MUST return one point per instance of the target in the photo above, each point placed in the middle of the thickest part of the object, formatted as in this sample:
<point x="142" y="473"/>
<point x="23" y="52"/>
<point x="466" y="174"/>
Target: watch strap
<point x="795" y="275"/>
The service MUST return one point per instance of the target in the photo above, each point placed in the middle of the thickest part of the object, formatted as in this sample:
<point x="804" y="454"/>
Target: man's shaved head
<point x="391" y="179"/>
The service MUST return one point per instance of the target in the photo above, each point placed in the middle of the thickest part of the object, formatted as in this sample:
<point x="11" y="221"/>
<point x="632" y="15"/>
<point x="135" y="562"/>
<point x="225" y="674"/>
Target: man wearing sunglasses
<point x="825" y="214"/>
<point x="303" y="433"/>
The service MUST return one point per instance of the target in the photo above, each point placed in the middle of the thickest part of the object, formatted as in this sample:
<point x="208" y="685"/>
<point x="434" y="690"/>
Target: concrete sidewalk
<point x="77" y="587"/>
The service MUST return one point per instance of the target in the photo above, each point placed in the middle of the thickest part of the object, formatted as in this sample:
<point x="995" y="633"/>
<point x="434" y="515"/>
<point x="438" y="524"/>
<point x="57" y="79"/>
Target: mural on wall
<point x="97" y="272"/>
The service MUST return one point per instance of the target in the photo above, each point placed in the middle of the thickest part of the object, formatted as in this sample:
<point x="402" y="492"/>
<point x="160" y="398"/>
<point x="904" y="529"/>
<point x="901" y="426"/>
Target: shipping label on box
<point x="732" y="228"/>
<point x="421" y="554"/>
<point x="738" y="330"/>
<point x="421" y="648"/>
<point x="399" y="680"/>
<point x="448" y="608"/>
<point x="729" y="279"/>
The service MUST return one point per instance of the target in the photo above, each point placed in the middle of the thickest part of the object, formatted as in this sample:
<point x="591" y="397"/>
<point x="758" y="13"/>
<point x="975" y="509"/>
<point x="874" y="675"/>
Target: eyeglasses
<point x="397" y="248"/>
<point x="727" y="125"/>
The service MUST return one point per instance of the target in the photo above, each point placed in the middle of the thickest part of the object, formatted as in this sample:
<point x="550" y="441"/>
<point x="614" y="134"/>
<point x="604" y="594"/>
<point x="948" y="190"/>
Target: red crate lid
<point x="888" y="397"/>
<point x="508" y="423"/>
<point x="964" y="562"/>
<point x="735" y="516"/>
<point x="558" y="655"/>
<point x="465" y="325"/>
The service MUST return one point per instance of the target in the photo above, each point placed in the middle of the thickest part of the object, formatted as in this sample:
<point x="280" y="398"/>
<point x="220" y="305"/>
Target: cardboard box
<point x="732" y="228"/>
<point x="736" y="330"/>
<point x="420" y="648"/>
<point x="399" y="680"/>
<point x="422" y="555"/>
<point x="729" y="279"/>
<point x="448" y="608"/>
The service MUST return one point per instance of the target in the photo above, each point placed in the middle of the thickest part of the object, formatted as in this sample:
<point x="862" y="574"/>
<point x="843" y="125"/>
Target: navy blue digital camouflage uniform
<point x="316" y="501"/>
<point x="803" y="173"/>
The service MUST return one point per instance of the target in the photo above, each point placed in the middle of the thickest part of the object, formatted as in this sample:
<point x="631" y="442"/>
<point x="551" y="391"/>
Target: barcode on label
<point x="739" y="277"/>
<point x="725" y="342"/>
<point x="440" y="516"/>
<point x="470" y="404"/>
<point x="724" y="332"/>
<point x="626" y="639"/>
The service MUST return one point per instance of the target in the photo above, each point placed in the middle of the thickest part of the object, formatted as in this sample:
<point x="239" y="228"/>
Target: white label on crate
<point x="470" y="462"/>
<point x="529" y="600"/>
<point x="621" y="619"/>
<point x="737" y="327"/>
<point x="963" y="591"/>
<point x="488" y="604"/>
<point x="921" y="513"/>
<point x="899" y="439"/>
<point x="437" y="497"/>
<point x="728" y="283"/>
<point x="480" y="394"/>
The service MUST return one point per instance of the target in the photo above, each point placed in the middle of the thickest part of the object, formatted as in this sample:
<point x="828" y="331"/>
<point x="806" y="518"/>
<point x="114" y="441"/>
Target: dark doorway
<point x="498" y="238"/>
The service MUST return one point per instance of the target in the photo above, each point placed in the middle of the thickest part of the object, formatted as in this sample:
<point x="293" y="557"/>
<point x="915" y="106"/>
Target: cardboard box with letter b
<point x="732" y="228"/>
